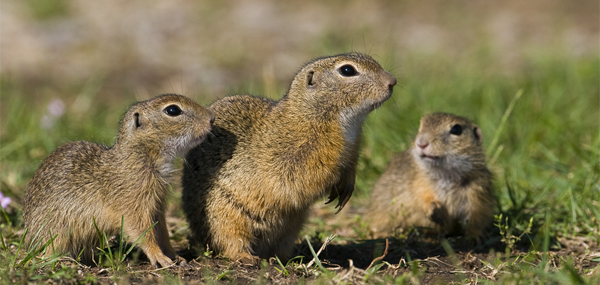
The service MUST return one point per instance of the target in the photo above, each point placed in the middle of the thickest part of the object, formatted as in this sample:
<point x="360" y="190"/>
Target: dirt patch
<point x="347" y="258"/>
<point x="425" y="259"/>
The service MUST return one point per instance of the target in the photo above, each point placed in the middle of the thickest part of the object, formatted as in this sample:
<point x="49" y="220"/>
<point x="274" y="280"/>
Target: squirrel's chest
<point x="439" y="191"/>
<point x="454" y="197"/>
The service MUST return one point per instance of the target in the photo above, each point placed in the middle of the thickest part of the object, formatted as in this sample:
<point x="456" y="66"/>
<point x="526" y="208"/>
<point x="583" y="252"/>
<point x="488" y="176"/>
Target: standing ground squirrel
<point x="248" y="188"/>
<point x="441" y="182"/>
<point x="82" y="181"/>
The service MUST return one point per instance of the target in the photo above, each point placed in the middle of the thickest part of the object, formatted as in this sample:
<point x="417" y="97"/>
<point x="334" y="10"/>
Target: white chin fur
<point x="181" y="145"/>
<point x="351" y="122"/>
<point x="176" y="147"/>
<point x="446" y="169"/>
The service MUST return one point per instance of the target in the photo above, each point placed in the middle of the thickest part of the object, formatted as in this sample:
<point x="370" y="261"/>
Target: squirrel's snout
<point x="421" y="142"/>
<point x="391" y="79"/>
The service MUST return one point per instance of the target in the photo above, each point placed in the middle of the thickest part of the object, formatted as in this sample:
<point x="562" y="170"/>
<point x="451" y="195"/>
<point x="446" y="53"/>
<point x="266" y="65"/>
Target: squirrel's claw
<point x="347" y="187"/>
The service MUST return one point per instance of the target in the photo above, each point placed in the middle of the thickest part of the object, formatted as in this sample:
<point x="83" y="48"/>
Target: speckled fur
<point x="450" y="194"/>
<point x="249" y="186"/>
<point x="81" y="180"/>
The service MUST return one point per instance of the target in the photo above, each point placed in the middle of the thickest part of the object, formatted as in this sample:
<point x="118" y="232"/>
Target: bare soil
<point x="350" y="261"/>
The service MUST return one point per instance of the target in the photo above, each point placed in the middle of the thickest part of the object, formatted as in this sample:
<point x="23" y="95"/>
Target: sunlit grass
<point x="545" y="158"/>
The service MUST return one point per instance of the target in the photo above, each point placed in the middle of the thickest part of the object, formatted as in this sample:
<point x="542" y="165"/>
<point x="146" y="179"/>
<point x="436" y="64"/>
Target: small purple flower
<point x="56" y="108"/>
<point x="4" y="201"/>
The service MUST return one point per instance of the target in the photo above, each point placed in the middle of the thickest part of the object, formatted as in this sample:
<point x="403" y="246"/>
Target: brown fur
<point x="81" y="181"/>
<point x="449" y="194"/>
<point x="248" y="188"/>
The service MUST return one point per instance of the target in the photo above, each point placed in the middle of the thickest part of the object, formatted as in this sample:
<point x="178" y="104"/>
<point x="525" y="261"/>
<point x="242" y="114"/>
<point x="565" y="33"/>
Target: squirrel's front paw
<point x="438" y="213"/>
<point x="248" y="259"/>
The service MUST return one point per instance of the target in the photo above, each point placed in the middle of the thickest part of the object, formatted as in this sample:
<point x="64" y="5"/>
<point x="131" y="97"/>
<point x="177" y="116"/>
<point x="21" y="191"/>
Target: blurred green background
<point x="70" y="68"/>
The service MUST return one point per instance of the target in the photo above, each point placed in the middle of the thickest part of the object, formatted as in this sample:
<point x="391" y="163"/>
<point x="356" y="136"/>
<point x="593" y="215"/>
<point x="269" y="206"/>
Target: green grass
<point x="544" y="153"/>
<point x="116" y="259"/>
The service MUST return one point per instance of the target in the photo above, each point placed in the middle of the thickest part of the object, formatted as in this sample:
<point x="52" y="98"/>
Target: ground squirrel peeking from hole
<point x="82" y="181"/>
<point x="248" y="188"/>
<point x="441" y="183"/>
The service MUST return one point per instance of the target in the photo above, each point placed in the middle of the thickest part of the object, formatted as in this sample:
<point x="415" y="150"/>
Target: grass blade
<point x="283" y="269"/>
<point x="312" y="250"/>
<point x="492" y="148"/>
<point x="121" y="257"/>
<point x="19" y="248"/>
<point x="33" y="252"/>
<point x="6" y="216"/>
<point x="4" y="247"/>
<point x="138" y="239"/>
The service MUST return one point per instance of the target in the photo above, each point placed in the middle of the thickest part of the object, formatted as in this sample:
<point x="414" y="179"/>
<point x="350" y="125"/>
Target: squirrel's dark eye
<point x="348" y="70"/>
<point x="456" y="130"/>
<point x="172" y="110"/>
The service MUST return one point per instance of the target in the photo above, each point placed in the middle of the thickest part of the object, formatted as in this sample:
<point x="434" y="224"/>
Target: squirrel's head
<point x="351" y="83"/>
<point x="449" y="142"/>
<point x="168" y="125"/>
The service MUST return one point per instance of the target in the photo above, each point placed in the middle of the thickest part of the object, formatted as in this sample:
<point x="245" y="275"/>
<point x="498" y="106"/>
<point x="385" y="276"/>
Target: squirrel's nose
<point x="391" y="79"/>
<point x="422" y="143"/>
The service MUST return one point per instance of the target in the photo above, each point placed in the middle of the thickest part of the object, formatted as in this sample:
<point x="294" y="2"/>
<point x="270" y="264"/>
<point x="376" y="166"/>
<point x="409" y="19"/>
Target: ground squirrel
<point x="248" y="188"/>
<point x="441" y="182"/>
<point x="82" y="181"/>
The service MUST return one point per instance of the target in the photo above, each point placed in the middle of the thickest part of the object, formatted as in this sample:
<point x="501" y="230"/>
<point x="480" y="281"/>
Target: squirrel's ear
<point x="310" y="79"/>
<point x="477" y="134"/>
<point x="136" y="120"/>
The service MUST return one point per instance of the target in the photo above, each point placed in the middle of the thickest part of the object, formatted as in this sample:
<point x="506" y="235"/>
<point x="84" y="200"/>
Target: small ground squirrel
<point x="82" y="181"/>
<point x="248" y="188"/>
<point x="441" y="182"/>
